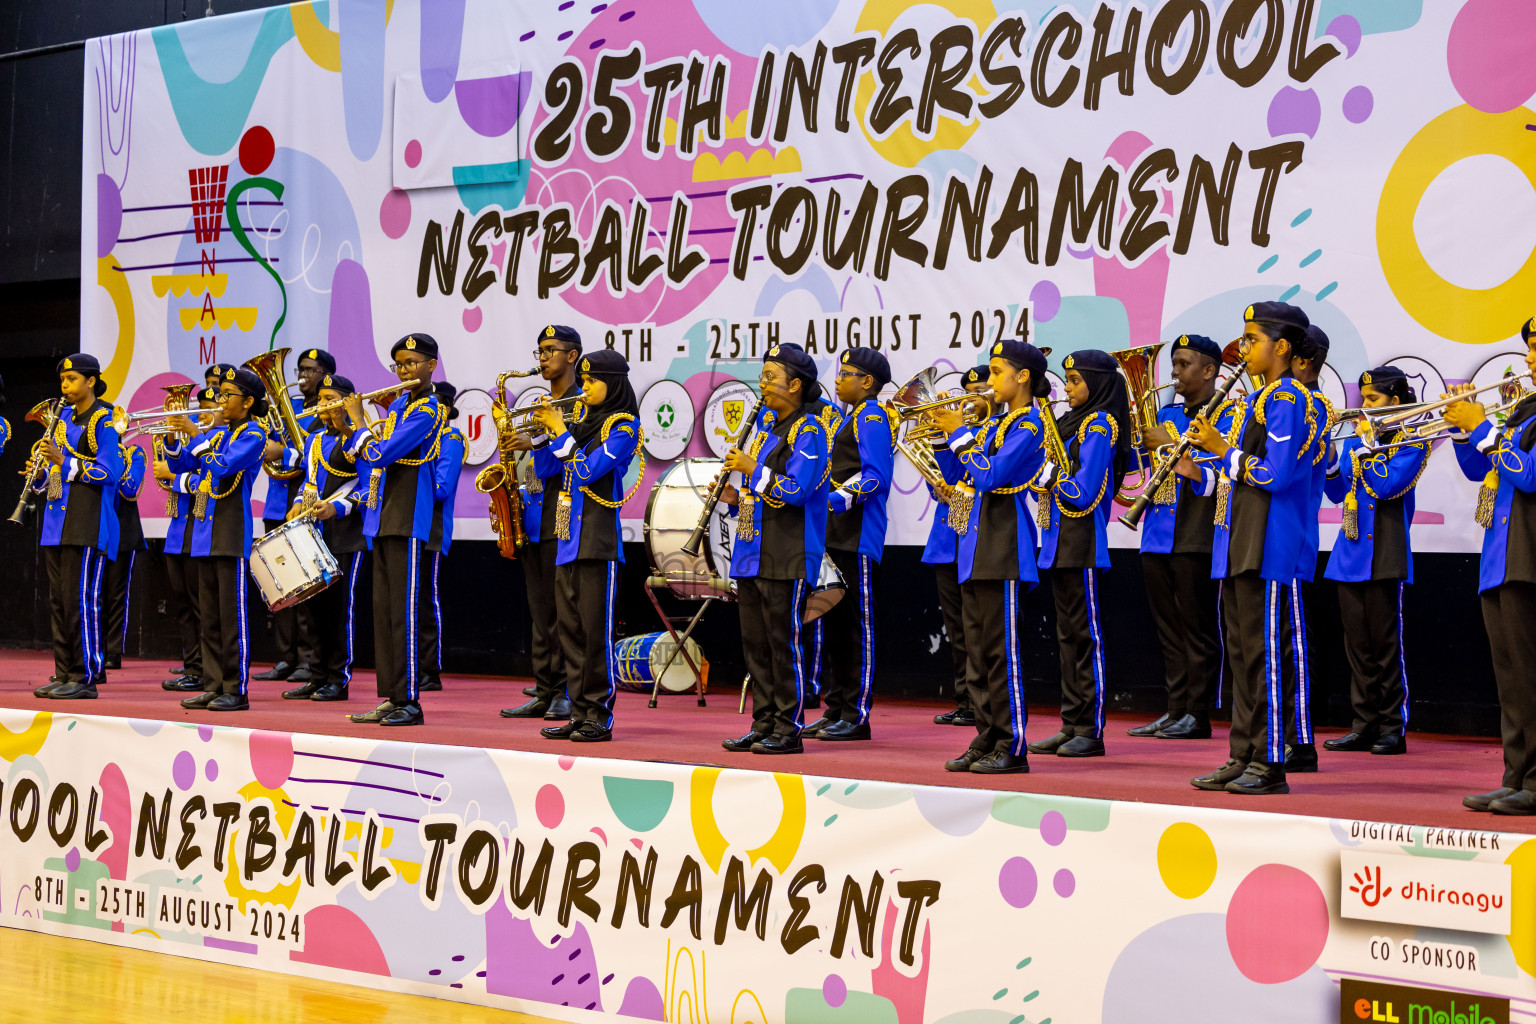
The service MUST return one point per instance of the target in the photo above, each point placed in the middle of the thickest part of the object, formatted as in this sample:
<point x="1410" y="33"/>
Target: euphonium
<point x="498" y="481"/>
<point x="1139" y="367"/>
<point x="46" y="413"/>
<point x="281" y="424"/>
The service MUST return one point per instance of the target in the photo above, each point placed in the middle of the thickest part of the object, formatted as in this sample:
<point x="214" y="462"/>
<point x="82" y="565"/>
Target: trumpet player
<point x="445" y="486"/>
<point x="1372" y="562"/>
<point x="1501" y="458"/>
<point x="331" y="497"/>
<point x="559" y="350"/>
<point x="84" y="463"/>
<point x="182" y="571"/>
<point x="1176" y="542"/>
<point x="862" y="462"/>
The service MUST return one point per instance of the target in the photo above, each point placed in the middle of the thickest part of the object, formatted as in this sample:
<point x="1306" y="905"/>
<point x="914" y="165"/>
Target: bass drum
<point x="652" y="659"/>
<point x="671" y="513"/>
<point x="829" y="590"/>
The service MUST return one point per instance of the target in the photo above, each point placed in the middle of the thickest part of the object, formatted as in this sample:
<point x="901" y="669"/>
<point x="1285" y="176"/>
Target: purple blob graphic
<point x="834" y="990"/>
<point x="1045" y="301"/>
<point x="1053" y="828"/>
<point x="412" y="153"/>
<point x="1346" y="30"/>
<point x="72" y="859"/>
<point x="1358" y="103"/>
<point x="205" y="733"/>
<point x="1064" y="883"/>
<point x="442" y="37"/>
<point x="642" y="999"/>
<point x="1294" y="112"/>
<point x="109" y="214"/>
<point x="211" y="770"/>
<point x="183" y="770"/>
<point x="490" y="106"/>
<point x="1017" y="882"/>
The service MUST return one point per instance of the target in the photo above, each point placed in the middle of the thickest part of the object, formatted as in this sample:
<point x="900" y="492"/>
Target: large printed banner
<point x="691" y="181"/>
<point x="560" y="885"/>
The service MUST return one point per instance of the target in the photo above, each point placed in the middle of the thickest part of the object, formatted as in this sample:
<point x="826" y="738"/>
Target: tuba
<point x="1139" y="367"/>
<point x="498" y="481"/>
<point x="280" y="422"/>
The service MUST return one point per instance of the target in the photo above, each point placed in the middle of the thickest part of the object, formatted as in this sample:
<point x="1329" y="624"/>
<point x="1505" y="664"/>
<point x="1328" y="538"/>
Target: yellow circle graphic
<point x="1186" y="859"/>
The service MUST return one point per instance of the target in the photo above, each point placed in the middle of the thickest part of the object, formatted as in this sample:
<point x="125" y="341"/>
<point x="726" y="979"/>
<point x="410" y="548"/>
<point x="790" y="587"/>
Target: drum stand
<point x="678" y="639"/>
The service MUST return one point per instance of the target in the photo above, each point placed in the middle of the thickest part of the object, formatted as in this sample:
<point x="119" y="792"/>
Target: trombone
<point x="1371" y="424"/>
<point x="389" y="392"/>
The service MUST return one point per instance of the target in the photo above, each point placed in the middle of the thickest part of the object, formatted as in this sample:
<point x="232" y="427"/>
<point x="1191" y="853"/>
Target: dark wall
<point x="40" y="117"/>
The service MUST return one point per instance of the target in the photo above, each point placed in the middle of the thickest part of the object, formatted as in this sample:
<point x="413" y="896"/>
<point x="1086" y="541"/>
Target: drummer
<point x="330" y="497"/>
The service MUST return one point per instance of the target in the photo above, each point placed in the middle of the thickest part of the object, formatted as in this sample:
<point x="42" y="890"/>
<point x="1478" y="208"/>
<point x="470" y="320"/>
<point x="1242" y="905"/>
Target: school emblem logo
<point x="410" y="343"/>
<point x="586" y="366"/>
<point x="1067" y="363"/>
<point x="1365" y="378"/>
<point x="327" y="382"/>
<point x="774" y="351"/>
<point x="549" y="332"/>
<point x="847" y="357"/>
<point x="1248" y="313"/>
<point x="313" y="353"/>
<point x="667" y="411"/>
<point x="733" y="409"/>
<point x="229" y="374"/>
<point x="997" y="349"/>
<point x="68" y="365"/>
<point x="1183" y="339"/>
<point x="725" y="414"/>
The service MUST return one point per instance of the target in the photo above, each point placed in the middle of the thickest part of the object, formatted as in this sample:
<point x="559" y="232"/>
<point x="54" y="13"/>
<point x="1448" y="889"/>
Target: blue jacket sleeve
<point x="1389" y="474"/>
<point x="450" y="460"/>
<point x="1095" y="451"/>
<point x="804" y="469"/>
<point x="1016" y="462"/>
<point x="586" y="466"/>
<point x="405" y="440"/>
<point x="1337" y="483"/>
<point x="106" y="467"/>
<point x="133" y="475"/>
<point x="1513" y="464"/>
<point x="1285" y="421"/>
<point x="240" y="453"/>
<point x="1471" y="453"/>
<point x="877" y="453"/>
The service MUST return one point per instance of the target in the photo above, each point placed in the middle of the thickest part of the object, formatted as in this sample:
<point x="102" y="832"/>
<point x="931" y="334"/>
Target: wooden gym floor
<point x="49" y="980"/>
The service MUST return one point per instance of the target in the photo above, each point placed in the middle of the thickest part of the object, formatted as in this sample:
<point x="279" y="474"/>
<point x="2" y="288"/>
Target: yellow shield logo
<point x="733" y="408"/>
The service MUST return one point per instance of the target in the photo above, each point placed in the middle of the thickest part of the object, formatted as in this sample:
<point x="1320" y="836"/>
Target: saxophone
<point x="498" y="481"/>
<point x="1056" y="452"/>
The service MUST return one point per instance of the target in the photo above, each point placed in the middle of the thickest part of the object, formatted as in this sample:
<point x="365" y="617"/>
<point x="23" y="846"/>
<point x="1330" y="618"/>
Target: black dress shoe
<point x="1299" y="758"/>
<point x="1000" y="762"/>
<point x="1260" y="779"/>
<point x="46" y="690"/>
<point x="845" y="731"/>
<point x="330" y="692"/>
<point x="373" y="717"/>
<point x="282" y="670"/>
<point x="1520" y="802"/>
<point x="1192" y="726"/>
<point x="179" y="670"/>
<point x="559" y="732"/>
<point x="73" y="691"/>
<point x="1081" y="746"/>
<point x="431" y="686"/>
<point x="1049" y="746"/>
<point x="1219" y="778"/>
<point x="959" y="716"/>
<point x="778" y="745"/>
<point x="182" y="683"/>
<point x="114" y="662"/>
<point x="591" y="732"/>
<point x="1150" y="729"/>
<point x="1390" y="745"/>
<point x="302" y="674"/>
<point x="559" y="710"/>
<point x="229" y="702"/>
<point x="1350" y="741"/>
<point x="531" y="709"/>
<point x="406" y="714"/>
<point x="964" y="761"/>
<point x="818" y="725"/>
<point x="301" y="692"/>
<point x="198" y="700"/>
<point x="1481" y="801"/>
<point x="742" y="744"/>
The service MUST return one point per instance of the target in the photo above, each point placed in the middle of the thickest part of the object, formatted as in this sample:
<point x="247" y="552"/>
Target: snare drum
<point x="642" y="658"/>
<point x="829" y="590"/>
<point x="291" y="564"/>
<point x="671" y="513"/>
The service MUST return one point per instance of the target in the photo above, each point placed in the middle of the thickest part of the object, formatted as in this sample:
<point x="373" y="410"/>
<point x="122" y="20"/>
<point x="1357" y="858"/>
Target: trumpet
<point x="391" y="392"/>
<point x="150" y="422"/>
<point x="521" y="421"/>
<point x="1369" y="424"/>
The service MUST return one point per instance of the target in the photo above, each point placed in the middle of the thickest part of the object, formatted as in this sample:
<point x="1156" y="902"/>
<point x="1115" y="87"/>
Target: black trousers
<point x="333" y="611"/>
<point x="947" y="575"/>
<point x="848" y="687"/>
<point x="585" y="593"/>
<point x="1372" y="616"/>
<point x="431" y="619"/>
<point x="293" y="628"/>
<point x="1186" y="608"/>
<point x="772" y="638"/>
<point x="814" y="633"/>
<point x="397" y="603"/>
<point x="74" y="603"/>
<point x="114" y="598"/>
<point x="1257" y="616"/>
<point x="995" y="672"/>
<point x="183" y="597"/>
<point x="225" y="624"/>
<point x="538" y="561"/>
<point x="1296" y="669"/>
<point x="1080" y="641"/>
<point x="1508" y="612"/>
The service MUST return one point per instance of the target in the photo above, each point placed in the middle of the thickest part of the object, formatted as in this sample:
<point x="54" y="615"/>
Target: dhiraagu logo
<point x="1401" y="1004"/>
<point x="1469" y="896"/>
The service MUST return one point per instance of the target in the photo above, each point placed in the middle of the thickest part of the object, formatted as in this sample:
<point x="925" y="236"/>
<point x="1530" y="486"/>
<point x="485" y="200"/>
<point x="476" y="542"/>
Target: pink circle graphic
<point x="184" y="770"/>
<point x="1053" y="828"/>
<point x="1488" y="54"/>
<point x="834" y="990"/>
<point x="1017" y="882"/>
<point x="1064" y="882"/>
<point x="472" y="318"/>
<point x="271" y="758"/>
<point x="1277" y="924"/>
<point x="549" y="805"/>
<point x="412" y="153"/>
<point x="395" y="213"/>
<point x="211" y="770"/>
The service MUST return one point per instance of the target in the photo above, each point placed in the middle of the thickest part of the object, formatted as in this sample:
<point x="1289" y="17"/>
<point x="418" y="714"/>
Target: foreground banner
<point x="570" y="887"/>
<point x="692" y="181"/>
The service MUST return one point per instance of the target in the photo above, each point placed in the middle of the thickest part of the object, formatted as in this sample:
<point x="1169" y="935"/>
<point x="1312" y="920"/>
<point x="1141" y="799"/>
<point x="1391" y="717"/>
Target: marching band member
<point x="214" y="374"/>
<point x="331" y="496"/>
<point x="293" y="627"/>
<point x="130" y="540"/>
<point x="597" y="450"/>
<point x="221" y="465"/>
<point x="1176" y="560"/>
<point x="862" y="462"/>
<point x="1372" y="561"/>
<point x="1261" y="499"/>
<point x="1500" y="457"/>
<point x="997" y="548"/>
<point x="1073" y="513"/>
<point x="181" y="569"/>
<point x="79" y="531"/>
<point x="445" y="486"/>
<point x="398" y="519"/>
<point x="780" y="539"/>
<point x="559" y="350"/>
<point x="940" y="552"/>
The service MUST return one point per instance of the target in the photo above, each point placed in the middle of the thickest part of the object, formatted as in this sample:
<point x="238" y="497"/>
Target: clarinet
<point x="696" y="539"/>
<point x="1139" y="507"/>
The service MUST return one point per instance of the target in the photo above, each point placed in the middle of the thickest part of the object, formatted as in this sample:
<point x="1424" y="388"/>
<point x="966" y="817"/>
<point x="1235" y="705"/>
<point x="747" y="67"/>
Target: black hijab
<point x="611" y="368"/>
<point x="1107" y="393"/>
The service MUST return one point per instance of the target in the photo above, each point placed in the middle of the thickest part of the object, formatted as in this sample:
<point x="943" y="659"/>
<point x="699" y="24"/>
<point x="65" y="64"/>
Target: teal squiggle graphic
<point x="232" y="215"/>
<point x="212" y="115"/>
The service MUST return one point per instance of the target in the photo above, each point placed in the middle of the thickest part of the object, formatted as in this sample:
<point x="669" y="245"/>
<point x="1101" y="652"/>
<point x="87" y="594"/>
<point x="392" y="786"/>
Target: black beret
<point x="445" y="392"/>
<point x="1317" y="339"/>
<point x="1527" y="329"/>
<point x="1021" y="354"/>
<point x="561" y="333"/>
<point x="217" y="370"/>
<point x="421" y="344"/>
<point x="793" y="358"/>
<point x="319" y="355"/>
<point x="1277" y="314"/>
<point x="208" y="394"/>
<point x="976" y="375"/>
<point x="1383" y="377"/>
<point x="869" y="361"/>
<point x="246" y="381"/>
<point x="337" y="383"/>
<point x="1199" y="343"/>
<point x="1090" y="359"/>
<point x="604" y="362"/>
<point x="83" y="364"/>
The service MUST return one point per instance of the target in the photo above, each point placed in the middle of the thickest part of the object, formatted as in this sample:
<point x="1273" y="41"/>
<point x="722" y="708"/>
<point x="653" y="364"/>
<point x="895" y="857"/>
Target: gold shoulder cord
<point x="1351" y="513"/>
<point x="205" y="489"/>
<point x="1240" y="412"/>
<point x="375" y="477"/>
<point x="602" y="436"/>
<point x="61" y="440"/>
<point x="1082" y="435"/>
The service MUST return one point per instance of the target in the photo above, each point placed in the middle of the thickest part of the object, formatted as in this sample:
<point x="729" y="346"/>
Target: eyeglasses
<point x="851" y="374"/>
<point x="548" y="350"/>
<point x="409" y="367"/>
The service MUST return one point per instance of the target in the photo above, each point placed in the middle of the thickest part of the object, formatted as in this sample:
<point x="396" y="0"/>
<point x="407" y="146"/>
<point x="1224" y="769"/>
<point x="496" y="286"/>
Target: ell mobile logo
<point x="1401" y="1004"/>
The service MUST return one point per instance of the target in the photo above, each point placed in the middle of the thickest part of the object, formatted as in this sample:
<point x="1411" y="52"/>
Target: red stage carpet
<point x="1424" y="787"/>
